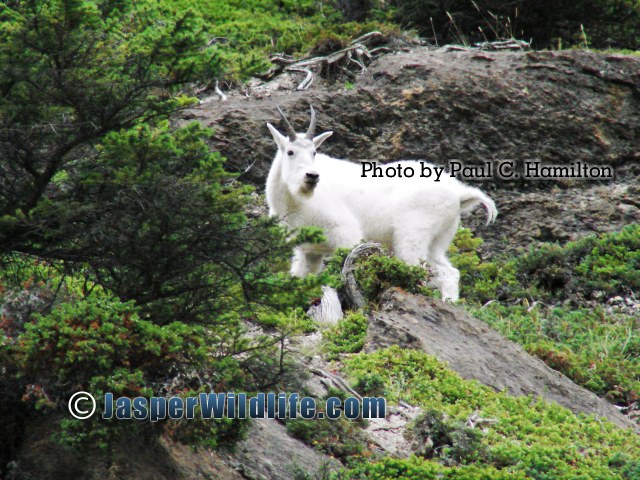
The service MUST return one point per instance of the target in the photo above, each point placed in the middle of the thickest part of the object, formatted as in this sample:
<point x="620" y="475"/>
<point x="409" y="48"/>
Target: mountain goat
<point x="416" y="217"/>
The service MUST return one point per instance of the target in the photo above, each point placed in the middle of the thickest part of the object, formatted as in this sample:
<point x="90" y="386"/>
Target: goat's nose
<point x="312" y="176"/>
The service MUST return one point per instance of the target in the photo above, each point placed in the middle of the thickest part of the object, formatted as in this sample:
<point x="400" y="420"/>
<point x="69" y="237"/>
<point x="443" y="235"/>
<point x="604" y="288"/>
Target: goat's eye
<point x="290" y="153"/>
<point x="314" y="153"/>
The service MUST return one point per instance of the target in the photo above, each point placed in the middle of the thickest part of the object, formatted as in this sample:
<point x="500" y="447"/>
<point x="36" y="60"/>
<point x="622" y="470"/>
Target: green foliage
<point x="480" y="281"/>
<point x="77" y="341"/>
<point x="376" y="273"/>
<point x="340" y="438"/>
<point x="452" y="442"/>
<point x="627" y="466"/>
<point x="347" y="336"/>
<point x="417" y="468"/>
<point x="595" y="348"/>
<point x="128" y="263"/>
<point x="370" y="385"/>
<point x="74" y="70"/>
<point x="609" y="263"/>
<point x="247" y="32"/>
<point x="309" y="235"/>
<point x="333" y="267"/>
<point x="530" y="438"/>
<point x="157" y="220"/>
<point x="55" y="345"/>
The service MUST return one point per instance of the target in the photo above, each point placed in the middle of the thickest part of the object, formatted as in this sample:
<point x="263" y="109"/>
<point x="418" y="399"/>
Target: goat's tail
<point x="472" y="196"/>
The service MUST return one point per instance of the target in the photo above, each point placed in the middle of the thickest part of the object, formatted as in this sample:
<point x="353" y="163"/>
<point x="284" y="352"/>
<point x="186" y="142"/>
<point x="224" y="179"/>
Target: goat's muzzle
<point x="312" y="179"/>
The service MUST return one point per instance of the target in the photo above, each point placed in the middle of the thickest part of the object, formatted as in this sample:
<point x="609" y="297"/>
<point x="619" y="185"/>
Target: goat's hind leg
<point x="447" y="277"/>
<point x="421" y="243"/>
<point x="443" y="275"/>
<point x="411" y="245"/>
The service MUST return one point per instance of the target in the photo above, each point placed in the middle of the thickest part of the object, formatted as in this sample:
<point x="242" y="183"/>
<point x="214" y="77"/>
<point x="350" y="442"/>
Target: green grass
<point x="247" y="32"/>
<point x="347" y="336"/>
<point x="597" y="350"/>
<point x="545" y="302"/>
<point x="530" y="438"/>
<point x="541" y="299"/>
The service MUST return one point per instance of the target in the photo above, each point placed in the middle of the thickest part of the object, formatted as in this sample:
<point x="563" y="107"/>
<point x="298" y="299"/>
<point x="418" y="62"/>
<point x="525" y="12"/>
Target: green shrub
<point x="593" y="348"/>
<point x="370" y="385"/>
<point x="250" y="31"/>
<point x="100" y="344"/>
<point x="481" y="281"/>
<point x="334" y="266"/>
<point x="416" y="468"/>
<point x="452" y="442"/>
<point x="376" y="273"/>
<point x="608" y="263"/>
<point x="629" y="467"/>
<point x="347" y="336"/>
<point x="529" y="439"/>
<point x="341" y="438"/>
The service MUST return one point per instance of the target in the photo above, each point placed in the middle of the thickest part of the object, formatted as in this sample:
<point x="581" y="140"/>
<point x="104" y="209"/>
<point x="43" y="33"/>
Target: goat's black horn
<point x="312" y="125"/>
<point x="291" y="133"/>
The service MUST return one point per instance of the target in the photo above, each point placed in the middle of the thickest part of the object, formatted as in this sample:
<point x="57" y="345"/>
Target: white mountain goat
<point x="416" y="217"/>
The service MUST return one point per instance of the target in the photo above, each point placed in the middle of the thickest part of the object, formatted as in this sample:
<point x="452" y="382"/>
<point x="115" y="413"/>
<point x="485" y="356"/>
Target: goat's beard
<point x="307" y="189"/>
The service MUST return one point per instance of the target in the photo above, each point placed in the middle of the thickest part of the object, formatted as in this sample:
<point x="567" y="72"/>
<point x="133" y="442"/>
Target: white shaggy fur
<point x="416" y="217"/>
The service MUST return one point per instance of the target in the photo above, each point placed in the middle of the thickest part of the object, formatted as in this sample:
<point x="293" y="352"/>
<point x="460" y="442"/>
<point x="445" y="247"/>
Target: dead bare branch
<point x="335" y="381"/>
<point x="219" y="92"/>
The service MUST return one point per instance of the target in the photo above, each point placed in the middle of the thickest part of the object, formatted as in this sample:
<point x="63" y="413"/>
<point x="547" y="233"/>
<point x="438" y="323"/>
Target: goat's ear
<point x="280" y="139"/>
<point x="317" y="141"/>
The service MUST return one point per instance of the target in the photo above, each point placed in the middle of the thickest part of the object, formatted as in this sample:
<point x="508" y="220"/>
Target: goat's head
<point x="296" y="152"/>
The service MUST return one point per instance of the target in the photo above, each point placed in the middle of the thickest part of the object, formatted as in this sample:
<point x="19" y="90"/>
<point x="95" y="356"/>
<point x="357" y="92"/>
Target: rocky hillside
<point x="473" y="106"/>
<point x="440" y="105"/>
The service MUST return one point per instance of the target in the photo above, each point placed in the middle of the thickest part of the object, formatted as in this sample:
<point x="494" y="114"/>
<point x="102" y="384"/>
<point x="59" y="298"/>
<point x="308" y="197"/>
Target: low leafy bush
<point x="340" y="437"/>
<point x="417" y="468"/>
<point x="608" y="263"/>
<point x="595" y="347"/>
<point x="530" y="438"/>
<point x="378" y="272"/>
<point x="248" y="32"/>
<point x="452" y="442"/>
<point x="61" y="333"/>
<point x="370" y="385"/>
<point x="480" y="280"/>
<point x="347" y="336"/>
<point x="99" y="344"/>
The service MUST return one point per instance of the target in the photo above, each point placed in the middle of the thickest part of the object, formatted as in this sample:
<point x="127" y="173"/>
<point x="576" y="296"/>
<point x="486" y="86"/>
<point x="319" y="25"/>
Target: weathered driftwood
<point x="353" y="295"/>
<point x="331" y="380"/>
<point x="357" y="53"/>
<point x="511" y="44"/>
<point x="329" y="309"/>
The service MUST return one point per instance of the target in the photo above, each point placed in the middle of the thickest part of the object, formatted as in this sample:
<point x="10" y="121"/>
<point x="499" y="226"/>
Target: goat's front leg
<point x="347" y="235"/>
<point x="305" y="262"/>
